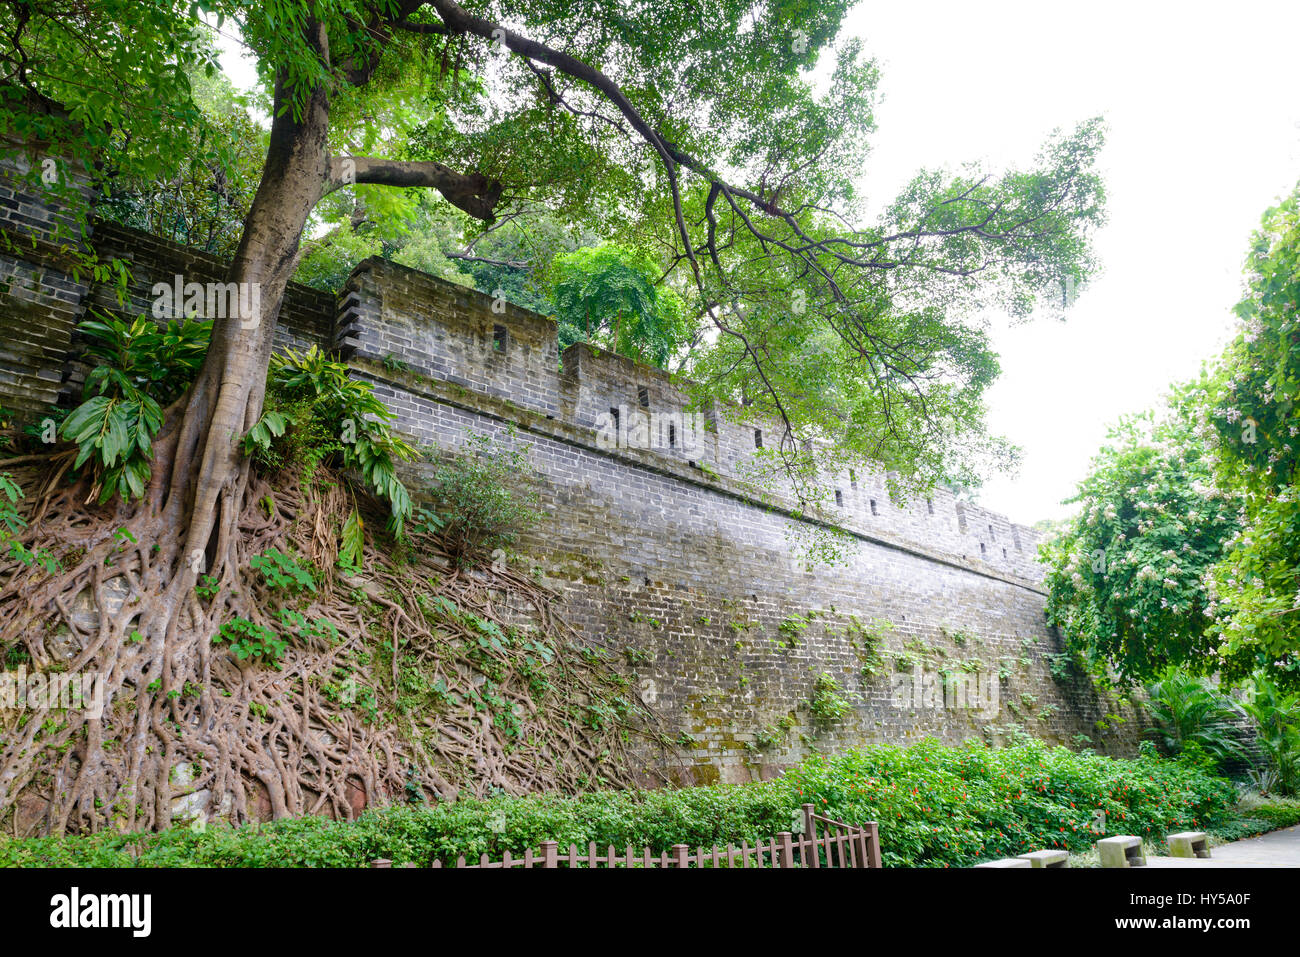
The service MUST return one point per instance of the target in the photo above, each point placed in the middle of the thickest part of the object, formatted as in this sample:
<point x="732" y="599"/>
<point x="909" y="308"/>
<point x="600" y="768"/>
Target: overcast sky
<point x="1203" y="103"/>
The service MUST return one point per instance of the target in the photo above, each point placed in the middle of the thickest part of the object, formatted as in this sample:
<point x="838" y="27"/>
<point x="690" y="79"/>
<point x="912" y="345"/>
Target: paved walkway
<point x="1274" y="849"/>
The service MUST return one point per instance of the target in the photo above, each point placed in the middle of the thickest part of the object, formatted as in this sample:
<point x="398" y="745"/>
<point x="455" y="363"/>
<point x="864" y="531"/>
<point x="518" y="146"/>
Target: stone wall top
<point x="406" y="320"/>
<point x="400" y="319"/>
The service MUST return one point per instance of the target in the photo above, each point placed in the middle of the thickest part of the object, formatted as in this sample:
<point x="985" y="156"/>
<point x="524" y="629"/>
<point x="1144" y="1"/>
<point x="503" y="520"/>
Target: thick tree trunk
<point x="227" y="397"/>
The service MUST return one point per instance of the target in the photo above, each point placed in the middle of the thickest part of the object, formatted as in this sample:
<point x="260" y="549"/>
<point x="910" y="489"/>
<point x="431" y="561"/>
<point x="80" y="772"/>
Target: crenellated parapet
<point x="409" y="321"/>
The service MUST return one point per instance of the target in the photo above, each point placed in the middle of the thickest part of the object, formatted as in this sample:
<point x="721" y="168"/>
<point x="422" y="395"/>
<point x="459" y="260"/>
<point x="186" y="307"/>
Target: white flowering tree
<point x="1129" y="578"/>
<point x="1251" y="419"/>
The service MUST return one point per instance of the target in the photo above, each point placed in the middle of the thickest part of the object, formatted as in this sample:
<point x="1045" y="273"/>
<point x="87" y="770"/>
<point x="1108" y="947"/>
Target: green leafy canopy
<point x="696" y="137"/>
<point x="609" y="294"/>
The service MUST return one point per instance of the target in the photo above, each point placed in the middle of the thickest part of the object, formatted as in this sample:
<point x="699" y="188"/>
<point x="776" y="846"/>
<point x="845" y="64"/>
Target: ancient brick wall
<point x="41" y="295"/>
<point x="45" y="289"/>
<point x="699" y="581"/>
<point x="663" y="553"/>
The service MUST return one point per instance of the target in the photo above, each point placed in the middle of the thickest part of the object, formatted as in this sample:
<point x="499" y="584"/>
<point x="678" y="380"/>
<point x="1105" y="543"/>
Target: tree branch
<point x="473" y="193"/>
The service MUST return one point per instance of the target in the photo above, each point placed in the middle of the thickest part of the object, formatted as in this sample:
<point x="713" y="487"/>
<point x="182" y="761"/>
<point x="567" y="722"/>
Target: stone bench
<point x="1122" y="851"/>
<point x="1188" y="844"/>
<point x="1006" y="862"/>
<point x="1046" y="858"/>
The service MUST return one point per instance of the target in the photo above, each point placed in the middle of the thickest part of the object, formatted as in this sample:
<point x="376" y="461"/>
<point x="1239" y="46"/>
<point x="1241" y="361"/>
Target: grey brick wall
<point x="662" y="553"/>
<point x="446" y="331"/>
<point x="41" y="304"/>
<point x="697" y="580"/>
<point x="306" y="315"/>
<point x="40" y="300"/>
<point x="699" y="586"/>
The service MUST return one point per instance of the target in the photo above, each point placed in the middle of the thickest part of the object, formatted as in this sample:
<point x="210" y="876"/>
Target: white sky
<point x="1203" y="103"/>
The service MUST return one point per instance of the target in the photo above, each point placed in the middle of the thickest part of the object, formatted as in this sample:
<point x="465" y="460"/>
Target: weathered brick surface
<point x="697" y="580"/>
<point x="45" y="292"/>
<point x="666" y="553"/>
<point x="40" y="300"/>
<point x="446" y="331"/>
<point x="701" y="588"/>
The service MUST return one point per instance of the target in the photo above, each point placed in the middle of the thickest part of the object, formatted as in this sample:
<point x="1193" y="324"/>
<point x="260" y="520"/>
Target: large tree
<point x="694" y="132"/>
<point x="1184" y="551"/>
<point x="1249" y="418"/>
<point x="1128" y="577"/>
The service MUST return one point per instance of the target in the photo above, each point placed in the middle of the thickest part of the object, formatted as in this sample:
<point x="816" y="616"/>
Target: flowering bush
<point x="1251" y="418"/>
<point x="1187" y="550"/>
<point x="937" y="806"/>
<point x="942" y="806"/>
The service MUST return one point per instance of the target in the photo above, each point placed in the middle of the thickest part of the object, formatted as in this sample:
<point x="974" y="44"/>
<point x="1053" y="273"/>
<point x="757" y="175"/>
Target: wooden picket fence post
<point x="810" y="828"/>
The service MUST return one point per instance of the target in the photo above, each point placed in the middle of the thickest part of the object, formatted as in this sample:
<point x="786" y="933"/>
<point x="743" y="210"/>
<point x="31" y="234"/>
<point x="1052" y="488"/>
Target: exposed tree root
<point x="412" y="679"/>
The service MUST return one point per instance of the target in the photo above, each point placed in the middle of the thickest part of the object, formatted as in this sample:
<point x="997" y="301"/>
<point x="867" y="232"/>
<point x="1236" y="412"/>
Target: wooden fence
<point x="838" y="845"/>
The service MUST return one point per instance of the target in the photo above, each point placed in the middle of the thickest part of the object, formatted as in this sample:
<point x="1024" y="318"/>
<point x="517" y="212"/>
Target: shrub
<point x="941" y="806"/>
<point x="480" y="499"/>
<point x="1276" y="812"/>
<point x="1257" y="815"/>
<point x="1126" y="577"/>
<point x="315" y="413"/>
<point x="158" y="360"/>
<point x="141" y="368"/>
<point x="1277" y="722"/>
<point x="1189" y="710"/>
<point x="700" y="816"/>
<point x="936" y="805"/>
